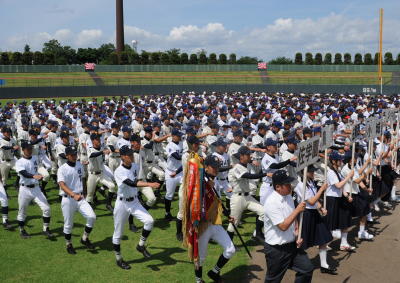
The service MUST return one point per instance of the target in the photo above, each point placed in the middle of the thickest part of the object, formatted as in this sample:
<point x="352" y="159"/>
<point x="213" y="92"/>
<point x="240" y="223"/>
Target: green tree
<point x="212" y="59"/>
<point x="347" y="59"/>
<point x="376" y="58"/>
<point x="389" y="58"/>
<point x="184" y="58"/>
<point x="368" y="59"/>
<point x="281" y="61"/>
<point x="222" y="59"/>
<point x="398" y="59"/>
<point x="104" y="52"/>
<point x="124" y="58"/>
<point x="174" y="56"/>
<point x="328" y="59"/>
<point x="202" y="58"/>
<point x="27" y="58"/>
<point x="193" y="59"/>
<point x="145" y="58"/>
<point x="134" y="58"/>
<point x="155" y="58"/>
<point x="70" y="55"/>
<point x="165" y="59"/>
<point x="338" y="59"/>
<point x="309" y="59"/>
<point x="358" y="59"/>
<point x="247" y="60"/>
<point x="232" y="58"/>
<point x="38" y="58"/>
<point x="298" y="58"/>
<point x="318" y="59"/>
<point x="16" y="58"/>
<point x="27" y="48"/>
<point x="5" y="59"/>
<point x="48" y="58"/>
<point x="86" y="55"/>
<point x="113" y="59"/>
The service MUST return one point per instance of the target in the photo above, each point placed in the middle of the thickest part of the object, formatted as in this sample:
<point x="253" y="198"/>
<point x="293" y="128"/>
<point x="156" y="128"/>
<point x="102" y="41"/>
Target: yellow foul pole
<point x="380" y="47"/>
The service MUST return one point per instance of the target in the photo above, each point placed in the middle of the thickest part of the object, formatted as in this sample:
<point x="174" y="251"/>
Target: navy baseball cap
<point x="125" y="150"/>
<point x="115" y="125"/>
<point x="126" y="129"/>
<point x="262" y="126"/>
<point x="238" y="133"/>
<point x="26" y="144"/>
<point x="212" y="161"/>
<point x="176" y="132"/>
<point x="193" y="140"/>
<point x="135" y="138"/>
<point x="244" y="150"/>
<point x="220" y="142"/>
<point x="64" y="135"/>
<point x="271" y="142"/>
<point x="71" y="150"/>
<point x="148" y="129"/>
<point x="277" y="124"/>
<point x="335" y="156"/>
<point x="281" y="177"/>
<point x="292" y="140"/>
<point x="94" y="136"/>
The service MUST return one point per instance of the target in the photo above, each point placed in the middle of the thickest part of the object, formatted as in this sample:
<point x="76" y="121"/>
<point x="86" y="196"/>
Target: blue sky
<point x="265" y="29"/>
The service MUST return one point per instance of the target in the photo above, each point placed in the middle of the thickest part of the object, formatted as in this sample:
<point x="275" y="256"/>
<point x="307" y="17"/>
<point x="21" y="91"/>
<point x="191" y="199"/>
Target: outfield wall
<point x="194" y="68"/>
<point x="78" y="91"/>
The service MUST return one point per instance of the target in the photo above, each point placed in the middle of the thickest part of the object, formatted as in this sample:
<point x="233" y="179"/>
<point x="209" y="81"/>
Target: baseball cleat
<point x="123" y="264"/>
<point x="7" y="225"/>
<point x="143" y="250"/>
<point x="70" y="249"/>
<point x="87" y="244"/>
<point x="24" y="234"/>
<point x="215" y="276"/>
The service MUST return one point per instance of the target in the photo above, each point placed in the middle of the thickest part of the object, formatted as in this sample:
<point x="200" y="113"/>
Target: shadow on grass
<point x="165" y="255"/>
<point x="238" y="271"/>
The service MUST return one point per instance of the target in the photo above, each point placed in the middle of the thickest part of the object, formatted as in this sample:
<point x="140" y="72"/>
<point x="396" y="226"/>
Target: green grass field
<point x="179" y="78"/>
<point x="40" y="260"/>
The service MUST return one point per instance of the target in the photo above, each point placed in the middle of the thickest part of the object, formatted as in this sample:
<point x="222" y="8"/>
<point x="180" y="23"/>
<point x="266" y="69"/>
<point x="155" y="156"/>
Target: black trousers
<point x="280" y="258"/>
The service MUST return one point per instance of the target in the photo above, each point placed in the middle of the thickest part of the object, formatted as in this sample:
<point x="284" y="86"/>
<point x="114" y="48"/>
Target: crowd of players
<point x="134" y="150"/>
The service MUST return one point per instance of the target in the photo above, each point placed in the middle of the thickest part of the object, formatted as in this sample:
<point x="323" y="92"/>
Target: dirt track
<point x="377" y="261"/>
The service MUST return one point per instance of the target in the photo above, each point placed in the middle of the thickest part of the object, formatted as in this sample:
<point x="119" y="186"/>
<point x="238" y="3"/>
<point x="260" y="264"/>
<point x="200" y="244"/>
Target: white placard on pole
<point x="307" y="153"/>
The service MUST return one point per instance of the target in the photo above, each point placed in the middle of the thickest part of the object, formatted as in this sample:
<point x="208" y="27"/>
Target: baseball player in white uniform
<point x="4" y="207"/>
<point x="27" y="169"/>
<point x="114" y="160"/>
<point x="239" y="177"/>
<point x="70" y="180"/>
<point x="97" y="173"/>
<point x="173" y="174"/>
<point x="7" y="147"/>
<point x="126" y="176"/>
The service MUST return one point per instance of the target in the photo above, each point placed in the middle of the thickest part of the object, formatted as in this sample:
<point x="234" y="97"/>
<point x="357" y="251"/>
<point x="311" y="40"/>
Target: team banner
<point x="326" y="140"/>
<point x="308" y="153"/>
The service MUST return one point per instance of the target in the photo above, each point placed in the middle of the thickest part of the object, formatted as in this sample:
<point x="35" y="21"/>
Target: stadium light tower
<point x="120" y="25"/>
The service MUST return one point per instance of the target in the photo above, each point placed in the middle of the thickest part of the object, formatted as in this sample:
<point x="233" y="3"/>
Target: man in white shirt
<point x="280" y="229"/>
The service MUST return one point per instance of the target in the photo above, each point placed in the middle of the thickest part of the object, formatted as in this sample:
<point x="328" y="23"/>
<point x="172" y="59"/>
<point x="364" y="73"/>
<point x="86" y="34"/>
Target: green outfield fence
<point x="194" y="68"/>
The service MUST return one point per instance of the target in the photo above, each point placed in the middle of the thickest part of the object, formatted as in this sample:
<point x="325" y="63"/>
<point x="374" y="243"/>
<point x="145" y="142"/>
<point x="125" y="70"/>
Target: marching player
<point x="70" y="180"/>
<point x="126" y="176"/>
<point x="173" y="174"/>
<point x="4" y="207"/>
<point x="97" y="172"/>
<point x="27" y="169"/>
<point x="114" y="160"/>
<point x="7" y="147"/>
<point x="209" y="225"/>
<point x="239" y="178"/>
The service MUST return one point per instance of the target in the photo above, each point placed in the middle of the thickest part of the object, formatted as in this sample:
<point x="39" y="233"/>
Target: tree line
<point x="53" y="53"/>
<point x="338" y="59"/>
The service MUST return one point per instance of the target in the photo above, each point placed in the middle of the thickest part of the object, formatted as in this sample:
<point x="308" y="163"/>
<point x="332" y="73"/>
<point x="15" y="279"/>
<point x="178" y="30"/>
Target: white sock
<point x="118" y="255"/>
<point x="344" y="239"/>
<point x="362" y="228"/>
<point x="393" y="192"/>
<point x="369" y="217"/>
<point x="85" y="236"/>
<point x="142" y="241"/>
<point x="45" y="226"/>
<point x="322" y="258"/>
<point x="5" y="218"/>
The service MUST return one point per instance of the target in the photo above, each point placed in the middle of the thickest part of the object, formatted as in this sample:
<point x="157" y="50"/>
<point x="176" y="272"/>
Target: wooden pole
<point x="303" y="199"/>
<point x="353" y="151"/>
<point x="370" y="149"/>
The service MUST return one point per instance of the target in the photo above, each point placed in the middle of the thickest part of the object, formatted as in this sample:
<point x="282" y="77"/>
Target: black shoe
<point x="215" y="276"/>
<point x="7" y="225"/>
<point x="133" y="228"/>
<point x="24" y="234"/>
<point x="110" y="208"/>
<point x="179" y="237"/>
<point x="70" y="249"/>
<point x="168" y="217"/>
<point x="48" y="234"/>
<point x="143" y="250"/>
<point x="87" y="244"/>
<point x="329" y="270"/>
<point x="259" y="237"/>
<point x="123" y="264"/>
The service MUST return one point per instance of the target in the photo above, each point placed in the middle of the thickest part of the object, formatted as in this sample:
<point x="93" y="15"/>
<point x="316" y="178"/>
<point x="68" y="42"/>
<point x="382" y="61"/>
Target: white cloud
<point x="283" y="37"/>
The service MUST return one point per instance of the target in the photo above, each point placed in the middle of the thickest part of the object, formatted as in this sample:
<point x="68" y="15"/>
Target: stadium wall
<point x="80" y="91"/>
<point x="194" y="68"/>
